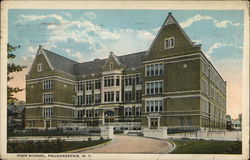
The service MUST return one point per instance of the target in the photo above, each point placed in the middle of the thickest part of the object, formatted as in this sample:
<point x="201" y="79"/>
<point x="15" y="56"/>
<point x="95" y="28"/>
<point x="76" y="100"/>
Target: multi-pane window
<point x="155" y="87"/>
<point x="128" y="80"/>
<point x="108" y="81"/>
<point x="169" y="43"/>
<point x="47" y="112"/>
<point x="138" y="79"/>
<point x="79" y="100"/>
<point x="204" y="86"/>
<point x="40" y="67"/>
<point x="47" y="97"/>
<point x="117" y="81"/>
<point x="79" y="86"/>
<point x="97" y="98"/>
<point x="154" y="69"/>
<point x="128" y="111"/>
<point x="212" y="92"/>
<point x="88" y="113"/>
<point x="182" y="122"/>
<point x="79" y="114"/>
<point x="96" y="113"/>
<point x="189" y="121"/>
<point x="111" y="66"/>
<point x="138" y="95"/>
<point x="147" y="106"/>
<point x="138" y="111"/>
<point x="88" y="99"/>
<point x="205" y="106"/>
<point x="48" y="84"/>
<point x="204" y="69"/>
<point x="154" y="106"/>
<point x="117" y="96"/>
<point x="88" y="85"/>
<point x="109" y="96"/>
<point x="32" y="123"/>
<point x="128" y="96"/>
<point x="98" y="84"/>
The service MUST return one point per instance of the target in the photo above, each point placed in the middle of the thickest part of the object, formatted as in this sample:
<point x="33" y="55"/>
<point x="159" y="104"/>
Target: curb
<point x="91" y="147"/>
<point x="174" y="146"/>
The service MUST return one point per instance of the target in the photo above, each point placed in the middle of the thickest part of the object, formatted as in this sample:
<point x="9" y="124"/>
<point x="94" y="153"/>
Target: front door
<point x="109" y="116"/>
<point x="153" y="123"/>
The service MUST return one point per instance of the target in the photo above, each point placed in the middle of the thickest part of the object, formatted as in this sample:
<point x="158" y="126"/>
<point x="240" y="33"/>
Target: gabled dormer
<point x="41" y="65"/>
<point x="112" y="63"/>
<point x="171" y="40"/>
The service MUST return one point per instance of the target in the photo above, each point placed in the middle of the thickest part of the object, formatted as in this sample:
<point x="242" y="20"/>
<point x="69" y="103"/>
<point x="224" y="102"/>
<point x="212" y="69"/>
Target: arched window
<point x="111" y="65"/>
<point x="128" y="111"/>
<point x="138" y="111"/>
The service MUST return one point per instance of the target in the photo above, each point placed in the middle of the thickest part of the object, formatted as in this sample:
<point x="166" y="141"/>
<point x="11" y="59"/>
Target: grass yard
<point x="206" y="147"/>
<point x="50" y="147"/>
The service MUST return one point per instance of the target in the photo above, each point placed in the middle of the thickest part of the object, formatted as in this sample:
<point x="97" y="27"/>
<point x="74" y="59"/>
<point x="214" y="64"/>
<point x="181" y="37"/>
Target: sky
<point x="84" y="35"/>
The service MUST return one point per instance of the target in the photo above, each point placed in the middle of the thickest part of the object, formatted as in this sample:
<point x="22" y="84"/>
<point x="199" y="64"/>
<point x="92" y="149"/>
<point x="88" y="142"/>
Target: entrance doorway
<point x="47" y="123"/>
<point x="109" y="116"/>
<point x="153" y="123"/>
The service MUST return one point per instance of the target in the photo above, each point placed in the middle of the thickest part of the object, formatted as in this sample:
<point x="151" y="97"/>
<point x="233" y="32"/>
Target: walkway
<point x="132" y="144"/>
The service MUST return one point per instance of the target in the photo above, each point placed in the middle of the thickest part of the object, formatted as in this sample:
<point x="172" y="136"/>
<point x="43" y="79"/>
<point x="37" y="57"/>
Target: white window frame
<point x="48" y="84"/>
<point x="127" y="108"/>
<point x="149" y="67"/>
<point x="47" y="112"/>
<point x="153" y="107"/>
<point x="168" y="40"/>
<point x="154" y="84"/>
<point x="40" y="67"/>
<point x="50" y="97"/>
<point x="111" y="65"/>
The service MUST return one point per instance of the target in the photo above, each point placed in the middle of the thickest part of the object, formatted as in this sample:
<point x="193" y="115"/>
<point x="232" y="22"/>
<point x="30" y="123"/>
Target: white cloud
<point x="216" y="46"/>
<point x="24" y="58"/>
<point x="67" y="14"/>
<point x="197" y="41"/>
<point x="28" y="18"/>
<point x="90" y="15"/>
<point x="191" y="20"/>
<point x="217" y="23"/>
<point x="100" y="40"/>
<point x="31" y="50"/>
<point x="78" y="56"/>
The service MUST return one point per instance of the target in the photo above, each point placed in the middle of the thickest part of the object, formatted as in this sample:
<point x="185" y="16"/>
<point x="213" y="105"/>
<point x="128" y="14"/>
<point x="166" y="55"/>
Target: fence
<point x="211" y="135"/>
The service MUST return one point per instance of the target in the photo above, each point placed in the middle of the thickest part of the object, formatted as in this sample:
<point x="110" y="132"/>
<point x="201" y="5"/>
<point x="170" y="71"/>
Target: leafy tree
<point x="12" y="67"/>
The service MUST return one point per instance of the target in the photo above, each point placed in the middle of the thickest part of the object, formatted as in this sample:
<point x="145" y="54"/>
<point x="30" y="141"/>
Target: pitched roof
<point x="169" y="21"/>
<point x="90" y="67"/>
<point x="132" y="60"/>
<point x="60" y="63"/>
<point x="95" y="66"/>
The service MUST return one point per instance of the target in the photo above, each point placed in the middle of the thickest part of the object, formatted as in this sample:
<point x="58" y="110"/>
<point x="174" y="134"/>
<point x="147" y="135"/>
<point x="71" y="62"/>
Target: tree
<point x="12" y="67"/>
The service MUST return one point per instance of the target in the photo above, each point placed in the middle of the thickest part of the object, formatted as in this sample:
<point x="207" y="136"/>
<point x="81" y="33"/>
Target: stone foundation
<point x="160" y="133"/>
<point x="107" y="132"/>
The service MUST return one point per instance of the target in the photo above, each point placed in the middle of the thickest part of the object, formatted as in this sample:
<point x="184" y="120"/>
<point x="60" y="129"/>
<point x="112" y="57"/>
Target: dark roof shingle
<point x="69" y="66"/>
<point x="60" y="63"/>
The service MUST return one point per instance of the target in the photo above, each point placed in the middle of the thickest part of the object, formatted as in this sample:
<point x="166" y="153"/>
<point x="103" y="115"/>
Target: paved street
<point x="132" y="144"/>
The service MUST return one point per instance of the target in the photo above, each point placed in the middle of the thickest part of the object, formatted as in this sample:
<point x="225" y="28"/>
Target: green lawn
<point x="50" y="147"/>
<point x="50" y="133"/>
<point x="207" y="147"/>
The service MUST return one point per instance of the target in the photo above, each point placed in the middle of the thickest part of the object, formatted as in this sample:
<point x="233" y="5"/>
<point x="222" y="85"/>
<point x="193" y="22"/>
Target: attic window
<point x="40" y="67"/>
<point x="111" y="66"/>
<point x="169" y="42"/>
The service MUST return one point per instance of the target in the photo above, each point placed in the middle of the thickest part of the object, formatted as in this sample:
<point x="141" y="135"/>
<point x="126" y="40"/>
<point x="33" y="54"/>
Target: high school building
<point x="172" y="84"/>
